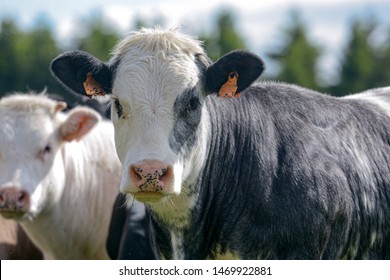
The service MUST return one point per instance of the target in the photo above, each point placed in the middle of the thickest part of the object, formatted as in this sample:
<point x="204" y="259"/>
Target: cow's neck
<point x="175" y="212"/>
<point x="220" y="201"/>
<point x="198" y="221"/>
<point x="60" y="234"/>
<point x="186" y="217"/>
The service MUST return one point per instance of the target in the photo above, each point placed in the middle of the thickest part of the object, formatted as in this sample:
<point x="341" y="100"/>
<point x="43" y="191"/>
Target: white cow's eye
<point x="47" y="149"/>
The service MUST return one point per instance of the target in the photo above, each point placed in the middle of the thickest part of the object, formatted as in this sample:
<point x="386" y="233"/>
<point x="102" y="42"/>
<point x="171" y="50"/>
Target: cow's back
<point x="379" y="97"/>
<point x="310" y="172"/>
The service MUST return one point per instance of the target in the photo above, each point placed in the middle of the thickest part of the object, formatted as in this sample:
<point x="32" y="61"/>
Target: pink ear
<point x="79" y="122"/>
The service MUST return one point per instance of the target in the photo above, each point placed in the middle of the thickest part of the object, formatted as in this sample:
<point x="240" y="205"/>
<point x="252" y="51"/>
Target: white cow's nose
<point x="13" y="199"/>
<point x="151" y="176"/>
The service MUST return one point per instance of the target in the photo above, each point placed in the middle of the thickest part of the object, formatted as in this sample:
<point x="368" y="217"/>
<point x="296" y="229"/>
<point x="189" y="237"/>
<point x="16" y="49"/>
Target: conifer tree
<point x="225" y="38"/>
<point x="357" y="71"/>
<point x="297" y="57"/>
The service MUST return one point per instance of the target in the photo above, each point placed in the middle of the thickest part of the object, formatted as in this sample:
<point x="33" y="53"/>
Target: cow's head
<point x="32" y="130"/>
<point x="158" y="81"/>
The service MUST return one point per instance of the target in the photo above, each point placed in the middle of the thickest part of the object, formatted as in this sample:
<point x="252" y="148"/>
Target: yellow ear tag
<point x="92" y="87"/>
<point x="229" y="89"/>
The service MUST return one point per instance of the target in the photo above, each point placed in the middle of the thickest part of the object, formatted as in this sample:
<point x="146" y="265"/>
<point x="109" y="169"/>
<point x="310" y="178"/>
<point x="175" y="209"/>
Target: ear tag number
<point x="92" y="87"/>
<point x="229" y="89"/>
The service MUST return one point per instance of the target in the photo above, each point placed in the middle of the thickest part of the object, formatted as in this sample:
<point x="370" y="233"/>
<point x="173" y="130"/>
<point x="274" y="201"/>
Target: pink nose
<point x="151" y="176"/>
<point x="14" y="199"/>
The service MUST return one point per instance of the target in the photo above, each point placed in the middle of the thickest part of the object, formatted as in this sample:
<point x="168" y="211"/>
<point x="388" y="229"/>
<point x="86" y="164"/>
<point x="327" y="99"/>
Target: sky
<point x="260" y="21"/>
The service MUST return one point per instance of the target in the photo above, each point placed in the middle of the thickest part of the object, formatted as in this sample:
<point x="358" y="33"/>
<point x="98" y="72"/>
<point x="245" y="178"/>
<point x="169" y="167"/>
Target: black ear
<point x="248" y="66"/>
<point x="73" y="68"/>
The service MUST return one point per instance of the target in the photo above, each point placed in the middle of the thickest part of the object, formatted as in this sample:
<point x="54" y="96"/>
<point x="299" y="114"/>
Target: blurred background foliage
<point x="25" y="55"/>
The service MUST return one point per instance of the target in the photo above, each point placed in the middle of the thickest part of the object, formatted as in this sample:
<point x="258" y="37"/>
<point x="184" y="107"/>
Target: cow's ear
<point x="237" y="69"/>
<point x="82" y="73"/>
<point x="78" y="123"/>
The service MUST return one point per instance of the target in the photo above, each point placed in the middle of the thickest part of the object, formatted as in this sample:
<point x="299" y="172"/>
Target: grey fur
<point x="293" y="174"/>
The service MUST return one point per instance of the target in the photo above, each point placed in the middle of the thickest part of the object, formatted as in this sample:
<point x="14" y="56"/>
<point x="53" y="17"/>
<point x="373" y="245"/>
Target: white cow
<point x="59" y="175"/>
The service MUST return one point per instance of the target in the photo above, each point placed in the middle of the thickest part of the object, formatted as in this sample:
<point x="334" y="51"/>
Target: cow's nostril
<point x="22" y="199"/>
<point x="166" y="174"/>
<point x="22" y="196"/>
<point x="138" y="176"/>
<point x="136" y="172"/>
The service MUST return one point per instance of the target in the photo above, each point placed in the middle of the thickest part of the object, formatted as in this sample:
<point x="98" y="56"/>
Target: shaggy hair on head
<point x="168" y="41"/>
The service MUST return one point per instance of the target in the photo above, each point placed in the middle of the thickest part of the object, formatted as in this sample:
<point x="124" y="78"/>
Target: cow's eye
<point x="47" y="149"/>
<point x="194" y="103"/>
<point x="118" y="108"/>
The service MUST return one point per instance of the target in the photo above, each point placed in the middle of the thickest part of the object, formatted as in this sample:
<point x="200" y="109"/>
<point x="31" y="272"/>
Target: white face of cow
<point x="156" y="80"/>
<point x="32" y="132"/>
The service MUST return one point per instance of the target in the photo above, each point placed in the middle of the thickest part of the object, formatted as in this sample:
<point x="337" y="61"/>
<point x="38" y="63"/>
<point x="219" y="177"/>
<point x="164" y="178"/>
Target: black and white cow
<point x="281" y="172"/>
<point x="131" y="232"/>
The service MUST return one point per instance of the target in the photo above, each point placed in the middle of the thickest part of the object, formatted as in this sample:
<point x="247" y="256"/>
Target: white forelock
<point x="158" y="39"/>
<point x="25" y="103"/>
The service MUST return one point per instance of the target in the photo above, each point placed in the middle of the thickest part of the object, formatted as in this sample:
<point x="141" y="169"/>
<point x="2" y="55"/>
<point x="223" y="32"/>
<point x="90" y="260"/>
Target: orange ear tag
<point x="229" y="89"/>
<point x="92" y="87"/>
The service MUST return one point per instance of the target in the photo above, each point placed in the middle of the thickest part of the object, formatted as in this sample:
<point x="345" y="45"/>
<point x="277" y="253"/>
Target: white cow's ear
<point x="78" y="123"/>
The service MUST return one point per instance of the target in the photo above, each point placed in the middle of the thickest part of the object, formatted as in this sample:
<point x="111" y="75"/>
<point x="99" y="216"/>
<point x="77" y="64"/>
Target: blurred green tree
<point x="225" y="38"/>
<point x="35" y="51"/>
<point x="99" y="39"/>
<point x="297" y="57"/>
<point x="358" y="66"/>
<point x="25" y="58"/>
<point x="382" y="71"/>
<point x="9" y="35"/>
<point x="157" y="20"/>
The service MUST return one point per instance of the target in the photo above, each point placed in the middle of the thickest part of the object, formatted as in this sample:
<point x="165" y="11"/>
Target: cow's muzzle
<point x="14" y="202"/>
<point x="151" y="177"/>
